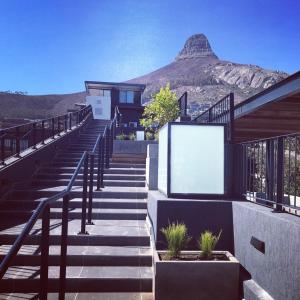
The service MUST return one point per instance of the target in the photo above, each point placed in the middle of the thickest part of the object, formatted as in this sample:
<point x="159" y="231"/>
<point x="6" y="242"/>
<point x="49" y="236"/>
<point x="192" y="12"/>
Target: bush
<point x="177" y="239"/>
<point x="131" y="136"/>
<point x="207" y="243"/>
<point x="149" y="136"/>
<point x="121" y="137"/>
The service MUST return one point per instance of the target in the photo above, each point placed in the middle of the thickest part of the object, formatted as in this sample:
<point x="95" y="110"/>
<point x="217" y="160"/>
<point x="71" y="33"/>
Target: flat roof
<point x="104" y="84"/>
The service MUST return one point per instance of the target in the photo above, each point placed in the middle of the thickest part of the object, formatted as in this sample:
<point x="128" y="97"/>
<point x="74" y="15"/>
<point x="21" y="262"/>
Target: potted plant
<point x="193" y="275"/>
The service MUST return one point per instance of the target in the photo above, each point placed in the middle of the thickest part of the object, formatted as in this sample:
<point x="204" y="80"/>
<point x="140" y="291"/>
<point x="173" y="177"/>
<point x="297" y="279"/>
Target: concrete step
<point x="80" y="279"/>
<point x="79" y="182"/>
<point x="70" y="170"/>
<point x="106" y="176"/>
<point x="76" y="213"/>
<point x="29" y="255"/>
<point x="102" y="233"/>
<point x="81" y="296"/>
<point x="60" y="163"/>
<point x="106" y="192"/>
<point x="29" y="204"/>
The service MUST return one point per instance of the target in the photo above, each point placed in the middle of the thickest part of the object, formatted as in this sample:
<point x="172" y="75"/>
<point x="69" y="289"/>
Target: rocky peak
<point x="196" y="46"/>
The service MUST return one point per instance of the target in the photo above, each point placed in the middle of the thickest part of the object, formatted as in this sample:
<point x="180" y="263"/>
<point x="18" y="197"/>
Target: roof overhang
<point x="273" y="112"/>
<point x="110" y="85"/>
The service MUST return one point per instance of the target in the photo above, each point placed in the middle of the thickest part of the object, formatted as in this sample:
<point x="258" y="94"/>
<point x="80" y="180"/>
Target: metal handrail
<point x="44" y="210"/>
<point x="15" y="132"/>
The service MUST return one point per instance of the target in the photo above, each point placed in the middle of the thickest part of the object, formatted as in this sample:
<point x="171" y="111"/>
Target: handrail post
<point x="58" y="126"/>
<point x="70" y="121"/>
<point x="102" y="163"/>
<point x="279" y="175"/>
<point x="99" y="166"/>
<point x="107" y="151"/>
<point x="45" y="253"/>
<point x="112" y="137"/>
<point x="66" y="123"/>
<point x="18" y="142"/>
<point x="43" y="132"/>
<point x="53" y="128"/>
<point x="84" y="195"/>
<point x="91" y="187"/>
<point x="2" y="148"/>
<point x="63" y="249"/>
<point x="270" y="169"/>
<point x="34" y="135"/>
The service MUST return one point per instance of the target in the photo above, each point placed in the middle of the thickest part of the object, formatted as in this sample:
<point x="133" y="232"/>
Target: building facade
<point x="104" y="97"/>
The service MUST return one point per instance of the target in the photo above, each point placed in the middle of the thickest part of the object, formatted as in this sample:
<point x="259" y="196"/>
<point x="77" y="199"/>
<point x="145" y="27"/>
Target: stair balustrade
<point x="14" y="140"/>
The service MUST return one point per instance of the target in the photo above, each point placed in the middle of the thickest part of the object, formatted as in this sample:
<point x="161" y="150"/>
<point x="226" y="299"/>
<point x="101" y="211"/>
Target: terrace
<point x="234" y="168"/>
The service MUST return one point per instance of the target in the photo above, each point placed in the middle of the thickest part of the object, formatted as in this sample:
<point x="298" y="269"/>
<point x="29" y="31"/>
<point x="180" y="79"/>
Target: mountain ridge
<point x="206" y="78"/>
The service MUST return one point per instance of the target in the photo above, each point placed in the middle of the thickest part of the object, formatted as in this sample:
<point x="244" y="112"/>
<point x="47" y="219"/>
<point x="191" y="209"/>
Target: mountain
<point x="196" y="69"/>
<point x="206" y="78"/>
<point x="37" y="107"/>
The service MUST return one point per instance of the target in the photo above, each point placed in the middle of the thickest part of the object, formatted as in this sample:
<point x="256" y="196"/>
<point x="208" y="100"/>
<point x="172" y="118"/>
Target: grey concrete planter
<point x="196" y="280"/>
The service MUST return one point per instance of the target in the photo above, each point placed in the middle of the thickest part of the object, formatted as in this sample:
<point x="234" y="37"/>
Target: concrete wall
<point x="152" y="166"/>
<point x="252" y="291"/>
<point x="277" y="271"/>
<point x="133" y="147"/>
<point x="198" y="215"/>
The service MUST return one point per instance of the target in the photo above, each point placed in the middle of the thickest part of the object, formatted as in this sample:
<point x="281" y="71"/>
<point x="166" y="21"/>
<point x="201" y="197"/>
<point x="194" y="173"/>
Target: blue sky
<point x="52" y="46"/>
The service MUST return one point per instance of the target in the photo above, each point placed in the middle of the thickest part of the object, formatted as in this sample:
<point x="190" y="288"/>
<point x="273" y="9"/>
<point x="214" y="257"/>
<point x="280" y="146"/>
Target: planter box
<point x="196" y="280"/>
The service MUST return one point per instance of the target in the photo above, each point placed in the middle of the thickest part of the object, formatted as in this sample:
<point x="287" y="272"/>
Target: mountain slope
<point x="37" y="107"/>
<point x="205" y="77"/>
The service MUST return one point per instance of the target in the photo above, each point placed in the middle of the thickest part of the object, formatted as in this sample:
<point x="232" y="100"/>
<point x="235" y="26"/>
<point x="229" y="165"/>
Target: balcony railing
<point x="270" y="172"/>
<point x="221" y="112"/>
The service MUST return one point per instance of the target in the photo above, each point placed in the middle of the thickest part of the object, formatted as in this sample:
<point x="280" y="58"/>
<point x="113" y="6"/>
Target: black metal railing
<point x="14" y="140"/>
<point x="270" y="172"/>
<point x="221" y="112"/>
<point x="43" y="211"/>
<point x="102" y="151"/>
<point x="182" y="103"/>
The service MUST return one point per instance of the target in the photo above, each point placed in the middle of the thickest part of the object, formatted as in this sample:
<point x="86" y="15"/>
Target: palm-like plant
<point x="207" y="243"/>
<point x="177" y="238"/>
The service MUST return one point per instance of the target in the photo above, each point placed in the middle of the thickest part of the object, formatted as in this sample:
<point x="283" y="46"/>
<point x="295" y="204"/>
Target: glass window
<point x="126" y="97"/>
<point x="130" y="96"/>
<point x="104" y="93"/>
<point x="123" y="98"/>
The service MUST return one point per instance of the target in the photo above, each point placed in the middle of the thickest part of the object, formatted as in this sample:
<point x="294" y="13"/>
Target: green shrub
<point x="132" y="136"/>
<point x="121" y="137"/>
<point x="149" y="136"/>
<point x="177" y="239"/>
<point x="207" y="243"/>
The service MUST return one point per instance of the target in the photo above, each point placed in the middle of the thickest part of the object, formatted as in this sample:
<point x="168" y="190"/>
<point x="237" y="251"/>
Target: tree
<point x="162" y="109"/>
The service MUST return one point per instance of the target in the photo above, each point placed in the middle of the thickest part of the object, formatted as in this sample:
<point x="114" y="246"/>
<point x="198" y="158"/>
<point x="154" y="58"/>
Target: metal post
<point x="279" y="175"/>
<point x="34" y="135"/>
<point x="58" y="126"/>
<point x="2" y="148"/>
<point x="45" y="253"/>
<point x="91" y="187"/>
<point x="63" y="248"/>
<point x="270" y="169"/>
<point x="70" y="121"/>
<point x="43" y="132"/>
<point x="107" y="150"/>
<point x="99" y="166"/>
<point x="18" y="142"/>
<point x="102" y="163"/>
<point x="66" y="123"/>
<point x="231" y="121"/>
<point x="53" y="128"/>
<point x="84" y="195"/>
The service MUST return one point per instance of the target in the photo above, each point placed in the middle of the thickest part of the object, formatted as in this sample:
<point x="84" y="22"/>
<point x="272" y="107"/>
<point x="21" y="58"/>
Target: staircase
<point x="112" y="261"/>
